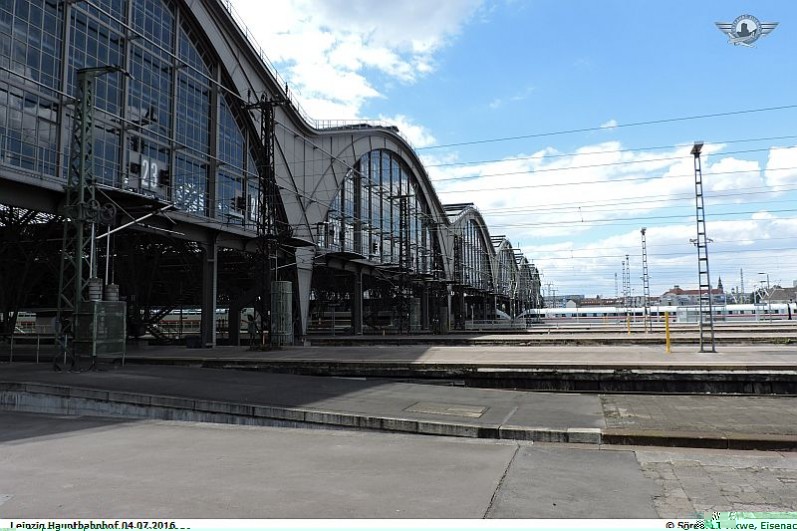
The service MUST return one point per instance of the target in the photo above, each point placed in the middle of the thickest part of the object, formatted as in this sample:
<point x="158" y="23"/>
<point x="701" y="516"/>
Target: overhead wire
<point x="610" y="181"/>
<point x="544" y="156"/>
<point x="612" y="206"/>
<point x="659" y="245"/>
<point x="604" y="222"/>
<point x="530" y="171"/>
<point x="618" y="126"/>
<point x="622" y="255"/>
<point x="587" y="166"/>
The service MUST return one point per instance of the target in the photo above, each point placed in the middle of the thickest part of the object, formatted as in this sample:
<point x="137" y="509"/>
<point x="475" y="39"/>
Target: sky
<point x="569" y="124"/>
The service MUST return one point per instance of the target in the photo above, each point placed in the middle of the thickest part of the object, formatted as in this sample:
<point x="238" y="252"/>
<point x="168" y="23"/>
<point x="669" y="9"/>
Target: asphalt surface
<point x="407" y="350"/>
<point x="88" y="467"/>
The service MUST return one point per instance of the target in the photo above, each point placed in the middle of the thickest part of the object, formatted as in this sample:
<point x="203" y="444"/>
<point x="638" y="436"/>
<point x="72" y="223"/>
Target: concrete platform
<point x="257" y="398"/>
<point x="750" y="357"/>
<point x="733" y="369"/>
<point x="753" y="333"/>
<point x="742" y="369"/>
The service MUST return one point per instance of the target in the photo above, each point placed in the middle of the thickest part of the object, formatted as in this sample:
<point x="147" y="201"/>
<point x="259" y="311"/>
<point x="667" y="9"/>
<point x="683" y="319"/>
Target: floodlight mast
<point x="645" y="280"/>
<point x="706" y="313"/>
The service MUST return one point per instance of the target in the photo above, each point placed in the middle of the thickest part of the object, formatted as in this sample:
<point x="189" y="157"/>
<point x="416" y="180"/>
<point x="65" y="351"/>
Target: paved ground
<point x="694" y="481"/>
<point x="731" y="356"/>
<point x="371" y="397"/>
<point x="664" y="418"/>
<point x="704" y="414"/>
<point x="561" y="482"/>
<point x="391" y="351"/>
<point x="90" y="467"/>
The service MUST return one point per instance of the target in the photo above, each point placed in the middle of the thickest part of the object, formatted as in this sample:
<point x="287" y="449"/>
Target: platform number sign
<point x="149" y="173"/>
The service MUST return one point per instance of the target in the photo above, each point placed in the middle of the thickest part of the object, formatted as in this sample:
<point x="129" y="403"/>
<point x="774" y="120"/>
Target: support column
<point x="304" y="279"/>
<point x="244" y="300"/>
<point x="357" y="304"/>
<point x="425" y="321"/>
<point x="446" y="318"/>
<point x="461" y="314"/>
<point x="209" y="289"/>
<point x="234" y="323"/>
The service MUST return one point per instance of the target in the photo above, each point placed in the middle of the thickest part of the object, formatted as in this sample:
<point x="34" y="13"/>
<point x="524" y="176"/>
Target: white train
<point x="679" y="314"/>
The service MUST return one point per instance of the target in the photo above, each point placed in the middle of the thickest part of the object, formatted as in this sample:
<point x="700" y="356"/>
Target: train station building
<point x="209" y="187"/>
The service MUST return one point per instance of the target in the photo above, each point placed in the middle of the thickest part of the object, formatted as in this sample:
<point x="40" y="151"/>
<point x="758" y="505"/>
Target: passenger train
<point x="677" y="314"/>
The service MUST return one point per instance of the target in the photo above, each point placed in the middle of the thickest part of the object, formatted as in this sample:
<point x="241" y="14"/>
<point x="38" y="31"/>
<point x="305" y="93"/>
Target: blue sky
<point x="451" y="73"/>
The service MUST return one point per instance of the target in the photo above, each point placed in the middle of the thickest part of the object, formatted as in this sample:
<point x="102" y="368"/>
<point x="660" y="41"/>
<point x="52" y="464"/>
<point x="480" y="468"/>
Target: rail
<point x="496" y="324"/>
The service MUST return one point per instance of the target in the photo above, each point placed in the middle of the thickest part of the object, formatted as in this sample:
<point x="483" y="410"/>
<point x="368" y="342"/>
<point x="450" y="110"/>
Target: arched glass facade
<point x="474" y="257"/>
<point x="529" y="285"/>
<point x="381" y="214"/>
<point x="31" y="37"/>
<point x="169" y="130"/>
<point x="507" y="271"/>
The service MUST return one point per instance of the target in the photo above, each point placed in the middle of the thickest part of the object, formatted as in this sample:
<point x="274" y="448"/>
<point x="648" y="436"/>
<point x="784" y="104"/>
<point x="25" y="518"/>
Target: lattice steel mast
<point x="645" y="279"/>
<point x="405" y="260"/>
<point x="266" y="208"/>
<point x="741" y="285"/>
<point x="706" y="315"/>
<point x="81" y="213"/>
<point x="627" y="285"/>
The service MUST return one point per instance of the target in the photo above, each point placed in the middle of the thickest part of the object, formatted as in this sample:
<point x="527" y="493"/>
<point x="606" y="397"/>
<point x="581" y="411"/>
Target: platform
<point x="189" y="392"/>
<point x="733" y="369"/>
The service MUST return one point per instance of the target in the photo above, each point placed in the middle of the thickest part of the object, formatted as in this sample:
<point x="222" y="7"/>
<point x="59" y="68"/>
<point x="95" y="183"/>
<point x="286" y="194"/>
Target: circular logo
<point x="746" y="29"/>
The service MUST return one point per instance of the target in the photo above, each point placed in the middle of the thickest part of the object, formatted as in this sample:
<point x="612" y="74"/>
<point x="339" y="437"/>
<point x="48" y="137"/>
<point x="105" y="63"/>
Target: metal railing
<point x="40" y="339"/>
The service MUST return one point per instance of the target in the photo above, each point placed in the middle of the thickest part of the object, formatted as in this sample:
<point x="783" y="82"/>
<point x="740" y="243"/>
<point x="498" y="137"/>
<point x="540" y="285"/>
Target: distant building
<point x="600" y="301"/>
<point x="779" y="295"/>
<point x="617" y="302"/>
<point x="691" y="297"/>
<point x="572" y="301"/>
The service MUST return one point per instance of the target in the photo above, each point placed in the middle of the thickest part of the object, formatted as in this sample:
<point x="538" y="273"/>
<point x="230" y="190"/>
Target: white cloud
<point x="416" y="134"/>
<point x="326" y="48"/>
<point x="548" y="194"/>
<point x="758" y="243"/>
<point x="733" y="174"/>
<point x="578" y="214"/>
<point x="781" y="169"/>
